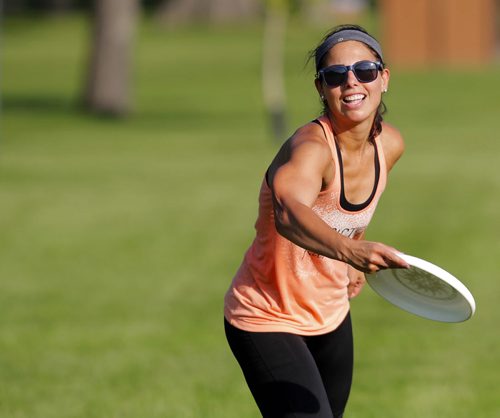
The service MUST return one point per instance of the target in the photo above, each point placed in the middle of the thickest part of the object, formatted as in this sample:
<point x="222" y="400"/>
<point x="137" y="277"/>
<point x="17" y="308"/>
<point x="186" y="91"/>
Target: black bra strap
<point x="346" y="205"/>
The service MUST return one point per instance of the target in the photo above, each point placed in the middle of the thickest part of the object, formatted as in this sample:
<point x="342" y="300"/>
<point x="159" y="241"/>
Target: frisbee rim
<point x="439" y="274"/>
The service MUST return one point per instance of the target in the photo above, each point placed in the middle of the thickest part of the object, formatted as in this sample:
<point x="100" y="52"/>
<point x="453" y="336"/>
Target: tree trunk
<point x="273" y="79"/>
<point x="108" y="83"/>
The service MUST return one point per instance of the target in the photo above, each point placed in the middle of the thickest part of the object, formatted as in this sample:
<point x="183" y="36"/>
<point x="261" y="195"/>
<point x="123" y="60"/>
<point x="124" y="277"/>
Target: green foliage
<point x="119" y="239"/>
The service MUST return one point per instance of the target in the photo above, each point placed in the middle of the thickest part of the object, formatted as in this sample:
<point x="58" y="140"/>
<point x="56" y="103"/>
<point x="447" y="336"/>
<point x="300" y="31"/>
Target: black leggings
<point x="295" y="376"/>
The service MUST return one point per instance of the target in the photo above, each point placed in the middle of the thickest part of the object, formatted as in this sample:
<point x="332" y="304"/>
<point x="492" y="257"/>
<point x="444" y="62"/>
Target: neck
<point x="352" y="137"/>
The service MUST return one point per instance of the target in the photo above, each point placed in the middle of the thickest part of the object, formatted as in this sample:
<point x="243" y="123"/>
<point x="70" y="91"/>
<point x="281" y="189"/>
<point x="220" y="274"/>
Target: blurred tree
<point x="51" y="6"/>
<point x="107" y="90"/>
<point x="60" y="5"/>
<point x="13" y="6"/>
<point x="174" y="12"/>
<point x="273" y="57"/>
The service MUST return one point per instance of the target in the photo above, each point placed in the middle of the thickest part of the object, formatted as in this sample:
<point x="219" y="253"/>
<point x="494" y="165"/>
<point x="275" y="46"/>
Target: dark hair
<point x="382" y="108"/>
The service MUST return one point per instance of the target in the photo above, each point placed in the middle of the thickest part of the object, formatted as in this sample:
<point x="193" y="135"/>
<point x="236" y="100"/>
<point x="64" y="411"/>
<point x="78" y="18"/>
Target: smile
<point x="354" y="98"/>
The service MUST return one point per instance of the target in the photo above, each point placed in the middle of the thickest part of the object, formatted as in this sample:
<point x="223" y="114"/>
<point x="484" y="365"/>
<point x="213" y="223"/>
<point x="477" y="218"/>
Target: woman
<point x="287" y="311"/>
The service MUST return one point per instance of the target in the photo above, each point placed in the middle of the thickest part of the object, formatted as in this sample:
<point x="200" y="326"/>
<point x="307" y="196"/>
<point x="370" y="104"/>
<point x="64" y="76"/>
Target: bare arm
<point x="392" y="143"/>
<point x="357" y="278"/>
<point x="393" y="146"/>
<point x="296" y="177"/>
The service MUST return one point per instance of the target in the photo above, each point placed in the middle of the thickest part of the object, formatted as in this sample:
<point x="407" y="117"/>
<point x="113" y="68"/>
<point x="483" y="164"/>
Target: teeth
<point x="354" y="97"/>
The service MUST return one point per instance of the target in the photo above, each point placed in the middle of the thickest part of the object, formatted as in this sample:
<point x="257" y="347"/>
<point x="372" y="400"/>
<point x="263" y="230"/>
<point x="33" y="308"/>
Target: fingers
<point x="395" y="261"/>
<point x="389" y="260"/>
<point x="371" y="257"/>
<point x="354" y="288"/>
<point x="380" y="257"/>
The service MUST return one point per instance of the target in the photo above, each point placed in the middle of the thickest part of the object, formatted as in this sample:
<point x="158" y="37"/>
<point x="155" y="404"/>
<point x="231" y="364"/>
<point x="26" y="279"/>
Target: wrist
<point x="343" y="248"/>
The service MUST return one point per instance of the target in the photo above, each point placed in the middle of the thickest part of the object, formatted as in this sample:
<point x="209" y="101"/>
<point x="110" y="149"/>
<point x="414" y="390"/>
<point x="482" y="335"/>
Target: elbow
<point x="287" y="218"/>
<point x="281" y="228"/>
<point x="283" y="222"/>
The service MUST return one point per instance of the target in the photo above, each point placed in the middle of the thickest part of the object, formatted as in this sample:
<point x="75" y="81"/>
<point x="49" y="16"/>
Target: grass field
<point x="119" y="238"/>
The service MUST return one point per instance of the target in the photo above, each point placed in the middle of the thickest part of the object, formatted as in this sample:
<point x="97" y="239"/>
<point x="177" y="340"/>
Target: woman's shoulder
<point x="392" y="144"/>
<point x="310" y="134"/>
<point x="306" y="146"/>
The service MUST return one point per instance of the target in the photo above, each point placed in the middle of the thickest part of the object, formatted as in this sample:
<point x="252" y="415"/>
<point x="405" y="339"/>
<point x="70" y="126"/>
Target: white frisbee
<point x="425" y="290"/>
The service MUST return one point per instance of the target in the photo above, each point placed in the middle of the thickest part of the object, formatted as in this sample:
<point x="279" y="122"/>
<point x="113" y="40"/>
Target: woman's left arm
<point x="356" y="278"/>
<point x="393" y="146"/>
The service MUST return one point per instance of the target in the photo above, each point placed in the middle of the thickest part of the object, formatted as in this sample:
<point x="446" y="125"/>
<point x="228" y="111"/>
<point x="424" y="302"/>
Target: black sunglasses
<point x="336" y="75"/>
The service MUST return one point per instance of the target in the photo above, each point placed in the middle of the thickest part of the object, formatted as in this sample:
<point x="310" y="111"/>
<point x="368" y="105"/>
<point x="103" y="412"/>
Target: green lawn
<point x="119" y="239"/>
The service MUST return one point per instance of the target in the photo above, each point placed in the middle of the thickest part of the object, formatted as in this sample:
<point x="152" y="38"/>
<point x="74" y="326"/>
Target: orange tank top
<point x="281" y="287"/>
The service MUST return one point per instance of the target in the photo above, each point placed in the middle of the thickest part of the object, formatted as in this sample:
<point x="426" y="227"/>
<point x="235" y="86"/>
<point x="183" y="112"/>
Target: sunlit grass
<point x="119" y="239"/>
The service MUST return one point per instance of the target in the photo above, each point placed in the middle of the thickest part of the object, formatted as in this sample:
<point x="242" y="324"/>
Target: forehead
<point x="349" y="52"/>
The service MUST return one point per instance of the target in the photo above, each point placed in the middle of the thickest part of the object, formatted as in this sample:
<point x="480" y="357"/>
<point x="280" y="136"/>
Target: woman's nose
<point x="351" y="79"/>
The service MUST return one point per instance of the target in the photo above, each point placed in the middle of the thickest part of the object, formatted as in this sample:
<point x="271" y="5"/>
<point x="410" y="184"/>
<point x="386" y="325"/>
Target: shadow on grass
<point x="56" y="105"/>
<point x="43" y="104"/>
<point x="53" y="106"/>
<point x="170" y="116"/>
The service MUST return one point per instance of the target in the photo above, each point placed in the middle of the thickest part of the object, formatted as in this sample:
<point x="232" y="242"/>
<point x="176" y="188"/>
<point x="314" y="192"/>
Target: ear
<point x="319" y="86"/>
<point x="386" y="75"/>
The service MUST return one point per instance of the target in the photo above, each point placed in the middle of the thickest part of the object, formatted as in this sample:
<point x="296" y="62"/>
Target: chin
<point x="357" y="116"/>
<point x="360" y="114"/>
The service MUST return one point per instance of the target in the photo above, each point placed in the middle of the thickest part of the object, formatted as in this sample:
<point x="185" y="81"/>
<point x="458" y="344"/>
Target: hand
<point x="356" y="282"/>
<point x="370" y="257"/>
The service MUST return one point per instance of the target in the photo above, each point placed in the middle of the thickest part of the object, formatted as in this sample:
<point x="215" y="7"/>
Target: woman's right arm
<point x="296" y="177"/>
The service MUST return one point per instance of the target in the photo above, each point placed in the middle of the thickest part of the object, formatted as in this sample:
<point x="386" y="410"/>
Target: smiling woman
<point x="287" y="310"/>
<point x="364" y="71"/>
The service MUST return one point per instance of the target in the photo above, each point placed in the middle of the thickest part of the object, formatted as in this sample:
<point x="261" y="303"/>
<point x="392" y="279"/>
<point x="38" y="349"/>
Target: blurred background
<point x="134" y="137"/>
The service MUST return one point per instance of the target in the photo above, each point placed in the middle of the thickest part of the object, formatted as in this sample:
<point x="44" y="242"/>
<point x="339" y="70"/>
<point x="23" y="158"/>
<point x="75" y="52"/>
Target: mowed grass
<point x="119" y="238"/>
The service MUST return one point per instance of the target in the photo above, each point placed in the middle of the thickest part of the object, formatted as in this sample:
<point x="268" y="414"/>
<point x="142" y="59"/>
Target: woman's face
<point x="353" y="101"/>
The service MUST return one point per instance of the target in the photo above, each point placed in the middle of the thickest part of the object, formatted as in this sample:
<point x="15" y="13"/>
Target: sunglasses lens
<point x="334" y="76"/>
<point x="366" y="71"/>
